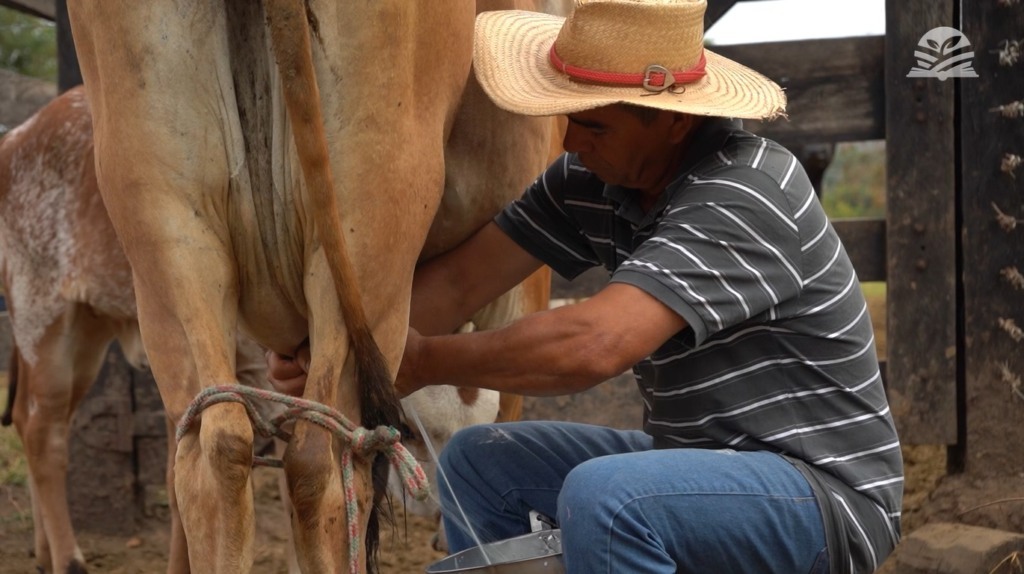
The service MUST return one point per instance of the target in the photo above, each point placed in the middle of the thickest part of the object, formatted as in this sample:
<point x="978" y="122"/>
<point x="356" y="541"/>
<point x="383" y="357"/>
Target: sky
<point x="779" y="20"/>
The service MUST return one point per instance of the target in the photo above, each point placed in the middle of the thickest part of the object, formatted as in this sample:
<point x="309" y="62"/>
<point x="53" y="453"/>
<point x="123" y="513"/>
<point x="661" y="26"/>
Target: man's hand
<point x="288" y="374"/>
<point x="406" y="383"/>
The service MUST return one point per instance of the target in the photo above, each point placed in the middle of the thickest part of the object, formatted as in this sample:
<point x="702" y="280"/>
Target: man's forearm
<point x="541" y="355"/>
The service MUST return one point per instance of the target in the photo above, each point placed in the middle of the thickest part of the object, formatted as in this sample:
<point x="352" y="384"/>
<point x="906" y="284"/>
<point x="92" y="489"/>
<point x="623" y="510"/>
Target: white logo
<point x="943" y="53"/>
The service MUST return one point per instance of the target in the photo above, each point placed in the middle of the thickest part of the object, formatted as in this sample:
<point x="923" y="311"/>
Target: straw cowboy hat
<point x="644" y="52"/>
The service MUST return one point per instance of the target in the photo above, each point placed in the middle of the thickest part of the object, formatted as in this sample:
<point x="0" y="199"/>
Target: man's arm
<point x="446" y="292"/>
<point x="561" y="351"/>
<point x="448" y="289"/>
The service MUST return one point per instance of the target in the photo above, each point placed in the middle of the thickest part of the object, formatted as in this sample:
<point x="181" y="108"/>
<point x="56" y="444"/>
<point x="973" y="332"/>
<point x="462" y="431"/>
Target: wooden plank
<point x="994" y="415"/>
<point x="20" y="97"/>
<point x="921" y="231"/>
<point x="835" y="87"/>
<point x="864" y="239"/>
<point x="715" y="10"/>
<point x="69" y="74"/>
<point x="39" y="8"/>
<point x="815" y="158"/>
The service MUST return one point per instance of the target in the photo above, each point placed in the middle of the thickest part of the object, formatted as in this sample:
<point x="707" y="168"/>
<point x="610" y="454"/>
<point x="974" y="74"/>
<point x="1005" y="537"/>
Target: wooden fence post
<point x="993" y="352"/>
<point x="921" y="231"/>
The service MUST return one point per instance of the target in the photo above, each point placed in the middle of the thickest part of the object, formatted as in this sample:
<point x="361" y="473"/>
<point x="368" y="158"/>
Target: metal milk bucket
<point x="534" y="553"/>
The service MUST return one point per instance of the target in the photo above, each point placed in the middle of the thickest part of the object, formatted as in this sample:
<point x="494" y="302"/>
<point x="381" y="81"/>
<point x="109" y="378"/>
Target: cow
<point x="249" y="198"/>
<point x="68" y="284"/>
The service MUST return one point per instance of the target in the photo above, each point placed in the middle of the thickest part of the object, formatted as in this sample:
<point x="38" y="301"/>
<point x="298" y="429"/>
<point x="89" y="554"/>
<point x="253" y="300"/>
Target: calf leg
<point x="43" y="430"/>
<point x="12" y="387"/>
<point x="68" y="358"/>
<point x="17" y="412"/>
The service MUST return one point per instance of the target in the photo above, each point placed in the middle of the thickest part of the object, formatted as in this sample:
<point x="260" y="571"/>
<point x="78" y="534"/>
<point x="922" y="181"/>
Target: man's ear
<point x="681" y="125"/>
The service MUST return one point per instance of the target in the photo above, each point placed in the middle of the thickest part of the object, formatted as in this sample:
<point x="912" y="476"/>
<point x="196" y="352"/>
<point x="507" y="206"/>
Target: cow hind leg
<point x="320" y="528"/>
<point x="318" y="519"/>
<point x="212" y="488"/>
<point x="319" y="499"/>
<point x="190" y="348"/>
<point x="177" y="554"/>
<point x="210" y="492"/>
<point x="317" y="489"/>
<point x="207" y="488"/>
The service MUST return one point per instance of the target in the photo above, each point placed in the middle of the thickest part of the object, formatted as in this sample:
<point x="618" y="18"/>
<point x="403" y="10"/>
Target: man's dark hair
<point x="645" y="114"/>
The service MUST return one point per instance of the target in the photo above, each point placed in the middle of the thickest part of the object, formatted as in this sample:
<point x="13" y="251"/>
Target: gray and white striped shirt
<point x="779" y="353"/>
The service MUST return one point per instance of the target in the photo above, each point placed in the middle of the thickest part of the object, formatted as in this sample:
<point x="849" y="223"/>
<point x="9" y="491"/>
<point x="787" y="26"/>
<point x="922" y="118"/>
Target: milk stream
<point x="444" y="479"/>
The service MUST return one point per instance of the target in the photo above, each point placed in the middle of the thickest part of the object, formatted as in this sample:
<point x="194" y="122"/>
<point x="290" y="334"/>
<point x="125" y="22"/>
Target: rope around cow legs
<point x="362" y="442"/>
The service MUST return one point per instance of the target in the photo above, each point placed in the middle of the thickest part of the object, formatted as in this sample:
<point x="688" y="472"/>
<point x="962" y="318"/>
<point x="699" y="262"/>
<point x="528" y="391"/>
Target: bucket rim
<point x="452" y="569"/>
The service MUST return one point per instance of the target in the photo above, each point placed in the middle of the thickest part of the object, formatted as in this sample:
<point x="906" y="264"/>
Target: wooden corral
<point x="20" y="97"/>
<point x="68" y="74"/>
<point x="951" y="366"/>
<point x="988" y="208"/>
<point x="946" y="247"/>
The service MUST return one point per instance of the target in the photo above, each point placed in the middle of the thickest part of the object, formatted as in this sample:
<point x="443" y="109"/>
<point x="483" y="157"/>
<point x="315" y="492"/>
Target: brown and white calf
<point x="68" y="290"/>
<point x="69" y="293"/>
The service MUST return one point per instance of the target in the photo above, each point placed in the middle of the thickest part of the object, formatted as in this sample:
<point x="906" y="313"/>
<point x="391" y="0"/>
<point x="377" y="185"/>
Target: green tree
<point x="854" y="183"/>
<point x="28" y="45"/>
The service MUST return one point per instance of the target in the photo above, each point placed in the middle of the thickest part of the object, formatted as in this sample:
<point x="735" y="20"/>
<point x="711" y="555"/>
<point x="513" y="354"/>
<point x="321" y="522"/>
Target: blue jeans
<point x="624" y="507"/>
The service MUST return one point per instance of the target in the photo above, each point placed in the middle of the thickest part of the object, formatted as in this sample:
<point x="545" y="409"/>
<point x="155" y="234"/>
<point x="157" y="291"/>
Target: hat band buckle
<point x="655" y="78"/>
<point x="658" y="78"/>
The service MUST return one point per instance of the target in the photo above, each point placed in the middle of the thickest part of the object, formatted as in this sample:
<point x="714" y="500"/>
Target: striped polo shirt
<point x="779" y="352"/>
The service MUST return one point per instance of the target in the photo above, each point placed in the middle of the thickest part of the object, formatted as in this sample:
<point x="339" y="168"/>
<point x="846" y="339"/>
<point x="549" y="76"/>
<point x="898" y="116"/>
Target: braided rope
<point x="361" y="441"/>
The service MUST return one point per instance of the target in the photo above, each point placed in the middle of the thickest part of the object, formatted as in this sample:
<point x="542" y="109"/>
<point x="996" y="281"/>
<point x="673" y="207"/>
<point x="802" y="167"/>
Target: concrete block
<point x="948" y="548"/>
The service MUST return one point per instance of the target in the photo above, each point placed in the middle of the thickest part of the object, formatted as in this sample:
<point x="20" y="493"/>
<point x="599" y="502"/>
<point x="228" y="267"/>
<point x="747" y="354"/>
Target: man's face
<point x="622" y="149"/>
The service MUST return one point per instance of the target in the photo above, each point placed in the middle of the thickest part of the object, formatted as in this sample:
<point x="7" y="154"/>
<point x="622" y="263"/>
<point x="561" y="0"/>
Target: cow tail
<point x="12" y="387"/>
<point x="291" y="39"/>
<point x="290" y="33"/>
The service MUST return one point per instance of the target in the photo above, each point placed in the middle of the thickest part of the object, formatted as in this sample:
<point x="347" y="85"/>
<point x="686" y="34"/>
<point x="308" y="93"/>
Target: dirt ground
<point x="929" y="496"/>
<point x="405" y="549"/>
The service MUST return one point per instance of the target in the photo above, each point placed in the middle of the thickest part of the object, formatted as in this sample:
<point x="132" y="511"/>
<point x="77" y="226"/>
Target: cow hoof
<point x="75" y="567"/>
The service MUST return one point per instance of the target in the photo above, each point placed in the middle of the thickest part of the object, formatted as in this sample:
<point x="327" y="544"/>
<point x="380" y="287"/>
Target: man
<point x="768" y="444"/>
